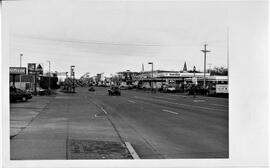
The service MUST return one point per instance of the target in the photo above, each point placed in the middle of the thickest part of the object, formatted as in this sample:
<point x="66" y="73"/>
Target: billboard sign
<point x="17" y="70"/>
<point x="222" y="88"/>
<point x="31" y="68"/>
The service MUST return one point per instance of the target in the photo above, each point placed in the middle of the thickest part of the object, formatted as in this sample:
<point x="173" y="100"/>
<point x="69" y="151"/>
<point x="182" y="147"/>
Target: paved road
<point x="168" y="125"/>
<point x="157" y="125"/>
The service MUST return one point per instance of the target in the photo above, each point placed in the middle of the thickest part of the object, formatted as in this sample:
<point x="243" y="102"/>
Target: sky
<point x="113" y="36"/>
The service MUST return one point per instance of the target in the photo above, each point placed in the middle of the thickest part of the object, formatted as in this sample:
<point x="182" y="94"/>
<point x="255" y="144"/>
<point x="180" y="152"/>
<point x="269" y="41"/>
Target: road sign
<point x="17" y="70"/>
<point x="195" y="80"/>
<point x="31" y="68"/>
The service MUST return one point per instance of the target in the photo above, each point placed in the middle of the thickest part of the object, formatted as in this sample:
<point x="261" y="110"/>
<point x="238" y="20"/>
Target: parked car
<point x="169" y="89"/>
<point x="114" y="90"/>
<point x="18" y="94"/>
<point x="91" y="89"/>
<point x="123" y="87"/>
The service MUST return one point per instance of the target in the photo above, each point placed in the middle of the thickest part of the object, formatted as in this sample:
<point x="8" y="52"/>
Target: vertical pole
<point x="13" y="76"/>
<point x="35" y="82"/>
<point x="228" y="52"/>
<point x="152" y="78"/>
<point x="73" y="81"/>
<point x="49" y="75"/>
<point x="204" y="66"/>
<point x="204" y="51"/>
<point x="20" y="67"/>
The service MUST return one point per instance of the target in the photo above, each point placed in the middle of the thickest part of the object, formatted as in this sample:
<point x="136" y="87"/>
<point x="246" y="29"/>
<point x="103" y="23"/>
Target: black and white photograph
<point x="138" y="80"/>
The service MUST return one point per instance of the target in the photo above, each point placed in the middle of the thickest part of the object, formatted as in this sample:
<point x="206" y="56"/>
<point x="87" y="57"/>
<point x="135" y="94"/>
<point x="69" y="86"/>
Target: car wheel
<point x="24" y="99"/>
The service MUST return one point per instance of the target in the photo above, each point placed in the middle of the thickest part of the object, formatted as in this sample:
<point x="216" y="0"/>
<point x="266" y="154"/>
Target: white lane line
<point x="169" y="111"/>
<point x="199" y="101"/>
<point x="164" y="98"/>
<point x="187" y="105"/>
<point x="132" y="151"/>
<point x="131" y="101"/>
<point x="219" y="105"/>
<point x="103" y="110"/>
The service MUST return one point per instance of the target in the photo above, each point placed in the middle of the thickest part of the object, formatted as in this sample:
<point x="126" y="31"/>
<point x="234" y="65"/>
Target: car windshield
<point x="19" y="91"/>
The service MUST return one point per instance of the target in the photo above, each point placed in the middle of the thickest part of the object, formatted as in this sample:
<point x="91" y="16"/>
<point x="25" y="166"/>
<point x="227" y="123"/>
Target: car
<point x="169" y="89"/>
<point x="18" y="94"/>
<point x="39" y="90"/>
<point x="114" y="90"/>
<point x="123" y="87"/>
<point x="91" y="89"/>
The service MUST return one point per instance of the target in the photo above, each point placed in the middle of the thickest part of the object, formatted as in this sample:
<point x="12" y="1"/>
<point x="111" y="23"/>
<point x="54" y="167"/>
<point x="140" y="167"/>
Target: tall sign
<point x="17" y="70"/>
<point x="31" y="68"/>
<point x="39" y="69"/>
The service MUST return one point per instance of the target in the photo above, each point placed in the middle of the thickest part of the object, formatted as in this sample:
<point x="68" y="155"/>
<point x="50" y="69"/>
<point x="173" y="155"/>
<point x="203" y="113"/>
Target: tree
<point x="219" y="71"/>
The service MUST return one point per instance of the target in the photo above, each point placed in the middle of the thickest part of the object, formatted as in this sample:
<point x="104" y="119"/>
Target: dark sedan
<point x="18" y="94"/>
<point x="114" y="90"/>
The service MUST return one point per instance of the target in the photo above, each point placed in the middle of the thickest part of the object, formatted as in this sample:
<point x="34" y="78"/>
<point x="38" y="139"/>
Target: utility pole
<point x="204" y="51"/>
<point x="228" y="52"/>
<point x="152" y="82"/>
<point x="20" y="67"/>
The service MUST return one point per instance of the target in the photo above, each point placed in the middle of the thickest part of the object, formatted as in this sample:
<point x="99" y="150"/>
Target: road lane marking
<point x="164" y="98"/>
<point x="169" y="111"/>
<point x="188" y="105"/>
<point x="103" y="110"/>
<point x="198" y="101"/>
<point x="131" y="101"/>
<point x="132" y="151"/>
<point x="219" y="105"/>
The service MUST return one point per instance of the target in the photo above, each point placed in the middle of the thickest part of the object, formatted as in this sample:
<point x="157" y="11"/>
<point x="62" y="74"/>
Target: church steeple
<point x="185" y="67"/>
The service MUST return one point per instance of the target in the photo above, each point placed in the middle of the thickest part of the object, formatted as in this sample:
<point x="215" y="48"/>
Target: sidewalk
<point x="58" y="130"/>
<point x="22" y="113"/>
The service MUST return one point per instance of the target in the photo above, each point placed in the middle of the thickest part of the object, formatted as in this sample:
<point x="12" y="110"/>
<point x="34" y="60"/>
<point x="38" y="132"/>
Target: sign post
<point x="32" y="71"/>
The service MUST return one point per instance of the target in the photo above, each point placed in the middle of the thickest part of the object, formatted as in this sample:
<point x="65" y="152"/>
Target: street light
<point x="194" y="70"/>
<point x="204" y="51"/>
<point x="152" y="74"/>
<point x="72" y="74"/>
<point x="20" y="67"/>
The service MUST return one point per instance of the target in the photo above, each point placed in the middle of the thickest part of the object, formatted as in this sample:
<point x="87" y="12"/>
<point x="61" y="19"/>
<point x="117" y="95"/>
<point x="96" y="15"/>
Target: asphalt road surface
<point x="158" y="125"/>
<point x="161" y="125"/>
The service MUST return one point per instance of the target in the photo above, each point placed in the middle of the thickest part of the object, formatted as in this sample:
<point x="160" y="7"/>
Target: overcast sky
<point x="112" y="36"/>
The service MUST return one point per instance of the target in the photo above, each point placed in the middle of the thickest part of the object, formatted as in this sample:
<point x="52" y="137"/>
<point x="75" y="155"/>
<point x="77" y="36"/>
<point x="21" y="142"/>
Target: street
<point x="157" y="125"/>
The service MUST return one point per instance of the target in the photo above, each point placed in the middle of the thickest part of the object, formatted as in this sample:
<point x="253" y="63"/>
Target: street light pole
<point x="194" y="70"/>
<point x="20" y="67"/>
<point x="204" y="51"/>
<point x="73" y="76"/>
<point x="152" y="75"/>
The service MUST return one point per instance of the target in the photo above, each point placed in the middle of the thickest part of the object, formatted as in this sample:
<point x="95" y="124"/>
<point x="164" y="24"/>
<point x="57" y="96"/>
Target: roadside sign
<point x="17" y="70"/>
<point x="221" y="88"/>
<point x="194" y="80"/>
<point x="31" y="68"/>
<point x="39" y="69"/>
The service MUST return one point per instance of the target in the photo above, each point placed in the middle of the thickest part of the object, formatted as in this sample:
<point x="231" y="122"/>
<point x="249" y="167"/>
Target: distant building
<point x="185" y="67"/>
<point x="27" y="81"/>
